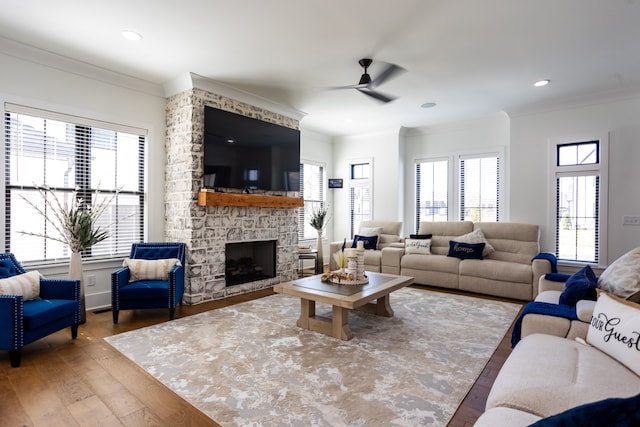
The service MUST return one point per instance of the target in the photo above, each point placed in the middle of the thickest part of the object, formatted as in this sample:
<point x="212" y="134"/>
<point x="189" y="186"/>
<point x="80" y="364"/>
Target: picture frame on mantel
<point x="335" y="182"/>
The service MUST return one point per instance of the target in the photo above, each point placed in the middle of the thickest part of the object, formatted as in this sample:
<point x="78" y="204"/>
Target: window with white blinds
<point x="432" y="190"/>
<point x="67" y="153"/>
<point x="480" y="188"/>
<point x="578" y="176"/>
<point x="312" y="191"/>
<point x="359" y="195"/>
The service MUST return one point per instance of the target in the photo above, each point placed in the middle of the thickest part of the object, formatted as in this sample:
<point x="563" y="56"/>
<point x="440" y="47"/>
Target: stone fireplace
<point x="207" y="230"/>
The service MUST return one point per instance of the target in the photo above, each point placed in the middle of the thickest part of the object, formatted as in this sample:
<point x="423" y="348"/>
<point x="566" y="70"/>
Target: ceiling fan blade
<point x="391" y="71"/>
<point x="376" y="95"/>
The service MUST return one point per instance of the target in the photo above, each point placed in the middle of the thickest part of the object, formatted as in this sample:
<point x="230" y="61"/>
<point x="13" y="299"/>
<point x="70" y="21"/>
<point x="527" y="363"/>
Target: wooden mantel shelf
<point x="208" y="198"/>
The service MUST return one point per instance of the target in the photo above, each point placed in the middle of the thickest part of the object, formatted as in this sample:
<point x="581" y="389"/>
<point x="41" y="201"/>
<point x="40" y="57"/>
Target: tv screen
<point x="246" y="153"/>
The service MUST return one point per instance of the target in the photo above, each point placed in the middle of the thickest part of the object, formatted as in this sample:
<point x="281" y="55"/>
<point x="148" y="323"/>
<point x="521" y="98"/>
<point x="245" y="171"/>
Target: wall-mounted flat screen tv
<point x="245" y="153"/>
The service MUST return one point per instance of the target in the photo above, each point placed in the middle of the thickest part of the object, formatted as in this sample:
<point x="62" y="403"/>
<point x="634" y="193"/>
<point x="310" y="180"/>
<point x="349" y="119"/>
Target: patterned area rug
<point x="249" y="364"/>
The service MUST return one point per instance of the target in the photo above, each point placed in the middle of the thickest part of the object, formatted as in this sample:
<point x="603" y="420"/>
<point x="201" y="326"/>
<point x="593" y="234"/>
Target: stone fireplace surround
<point x="206" y="229"/>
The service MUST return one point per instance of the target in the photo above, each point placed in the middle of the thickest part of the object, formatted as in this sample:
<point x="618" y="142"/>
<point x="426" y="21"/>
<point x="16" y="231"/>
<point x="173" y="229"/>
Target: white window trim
<point x="325" y="190"/>
<point x="603" y="169"/>
<point x="451" y="161"/>
<point x="370" y="182"/>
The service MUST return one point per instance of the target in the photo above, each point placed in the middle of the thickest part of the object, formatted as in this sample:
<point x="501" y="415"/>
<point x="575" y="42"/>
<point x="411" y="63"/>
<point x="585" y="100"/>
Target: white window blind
<point x="359" y="195"/>
<point x="312" y="191"/>
<point x="67" y="153"/>
<point x="480" y="188"/>
<point x="432" y="190"/>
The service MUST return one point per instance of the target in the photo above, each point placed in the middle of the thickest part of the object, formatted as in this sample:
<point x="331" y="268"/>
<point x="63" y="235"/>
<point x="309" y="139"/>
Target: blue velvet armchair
<point x="23" y="322"/>
<point x="149" y="293"/>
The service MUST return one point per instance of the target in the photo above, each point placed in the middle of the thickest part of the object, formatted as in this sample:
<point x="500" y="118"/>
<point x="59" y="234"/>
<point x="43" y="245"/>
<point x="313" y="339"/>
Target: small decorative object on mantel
<point x="74" y="224"/>
<point x="318" y="220"/>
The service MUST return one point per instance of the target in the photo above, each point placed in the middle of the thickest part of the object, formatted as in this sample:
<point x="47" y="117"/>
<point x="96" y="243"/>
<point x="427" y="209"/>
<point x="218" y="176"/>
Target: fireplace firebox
<point x="249" y="261"/>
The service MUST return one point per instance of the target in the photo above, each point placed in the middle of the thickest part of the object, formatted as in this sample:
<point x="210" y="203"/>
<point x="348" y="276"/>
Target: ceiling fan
<point x="367" y="85"/>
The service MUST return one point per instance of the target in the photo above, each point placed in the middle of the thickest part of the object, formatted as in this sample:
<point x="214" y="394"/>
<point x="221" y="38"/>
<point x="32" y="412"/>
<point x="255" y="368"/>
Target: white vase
<point x="319" y="257"/>
<point x="75" y="273"/>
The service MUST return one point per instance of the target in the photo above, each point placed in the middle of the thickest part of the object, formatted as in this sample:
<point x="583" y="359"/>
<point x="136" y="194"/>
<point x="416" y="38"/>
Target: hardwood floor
<point x="85" y="382"/>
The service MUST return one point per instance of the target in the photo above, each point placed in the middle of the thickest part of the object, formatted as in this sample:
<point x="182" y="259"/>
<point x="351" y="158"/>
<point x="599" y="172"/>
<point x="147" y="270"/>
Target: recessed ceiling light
<point x="428" y="105"/>
<point x="541" y="83"/>
<point x="131" y="35"/>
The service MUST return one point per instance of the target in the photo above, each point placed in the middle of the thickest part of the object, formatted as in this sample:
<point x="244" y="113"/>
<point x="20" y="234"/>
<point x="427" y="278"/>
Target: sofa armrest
<point x="391" y="257"/>
<point x="539" y="267"/>
<point x="584" y="310"/>
<point x="545" y="284"/>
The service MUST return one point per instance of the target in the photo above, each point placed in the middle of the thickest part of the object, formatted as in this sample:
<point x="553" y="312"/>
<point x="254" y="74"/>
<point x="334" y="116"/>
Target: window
<point x="479" y="188"/>
<point x="578" y="183"/>
<point x="432" y="190"/>
<point x="359" y="194"/>
<point x="312" y="191"/>
<point x="44" y="148"/>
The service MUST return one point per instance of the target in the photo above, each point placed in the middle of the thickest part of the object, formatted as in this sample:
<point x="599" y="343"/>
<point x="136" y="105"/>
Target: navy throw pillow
<point x="581" y="285"/>
<point x="370" y="242"/>
<point x="465" y="250"/>
<point x="614" y="412"/>
<point x="420" y="236"/>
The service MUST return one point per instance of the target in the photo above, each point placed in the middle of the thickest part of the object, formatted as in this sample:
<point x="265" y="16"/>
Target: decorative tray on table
<point x="341" y="278"/>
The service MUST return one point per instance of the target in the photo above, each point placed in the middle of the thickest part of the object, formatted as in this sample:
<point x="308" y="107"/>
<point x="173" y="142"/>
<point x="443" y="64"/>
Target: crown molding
<point x="190" y="81"/>
<point x="52" y="60"/>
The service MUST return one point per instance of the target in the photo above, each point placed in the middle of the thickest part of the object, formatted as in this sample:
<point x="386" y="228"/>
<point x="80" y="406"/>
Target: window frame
<point x="363" y="183"/>
<point x="450" y="167"/>
<point x="81" y="125"/>
<point x="302" y="212"/>
<point x="601" y="170"/>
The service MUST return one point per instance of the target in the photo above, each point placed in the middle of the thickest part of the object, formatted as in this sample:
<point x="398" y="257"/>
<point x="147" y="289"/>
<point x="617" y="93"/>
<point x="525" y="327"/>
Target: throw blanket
<point x="558" y="310"/>
<point x="549" y="257"/>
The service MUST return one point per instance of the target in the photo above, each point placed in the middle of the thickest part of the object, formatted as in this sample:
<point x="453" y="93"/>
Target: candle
<point x="360" y="244"/>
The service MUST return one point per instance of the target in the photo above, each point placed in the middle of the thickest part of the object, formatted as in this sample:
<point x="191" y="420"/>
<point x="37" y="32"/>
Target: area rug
<point x="249" y="364"/>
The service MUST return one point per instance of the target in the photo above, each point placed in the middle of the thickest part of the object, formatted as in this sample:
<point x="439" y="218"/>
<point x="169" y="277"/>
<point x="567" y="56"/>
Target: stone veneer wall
<point x="206" y="230"/>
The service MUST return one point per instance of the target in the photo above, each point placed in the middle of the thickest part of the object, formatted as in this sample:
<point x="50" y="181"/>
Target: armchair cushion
<point x="26" y="285"/>
<point x="581" y="285"/>
<point x="43" y="312"/>
<point x="149" y="269"/>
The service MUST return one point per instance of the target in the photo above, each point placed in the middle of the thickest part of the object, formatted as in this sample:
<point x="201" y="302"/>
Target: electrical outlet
<point x="91" y="280"/>
<point x="631" y="220"/>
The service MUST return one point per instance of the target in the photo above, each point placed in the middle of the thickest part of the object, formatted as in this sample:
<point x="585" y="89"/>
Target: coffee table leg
<point x="340" y="323"/>
<point x="382" y="307"/>
<point x="307" y="311"/>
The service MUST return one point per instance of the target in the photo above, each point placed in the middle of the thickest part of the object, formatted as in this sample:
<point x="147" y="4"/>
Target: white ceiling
<point x="471" y="57"/>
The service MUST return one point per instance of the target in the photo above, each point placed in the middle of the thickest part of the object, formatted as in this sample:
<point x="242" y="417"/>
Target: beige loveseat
<point x="509" y="271"/>
<point x="388" y="235"/>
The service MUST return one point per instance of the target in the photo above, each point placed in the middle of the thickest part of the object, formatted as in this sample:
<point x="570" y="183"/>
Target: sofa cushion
<point x="496" y="270"/>
<point x="622" y="277"/>
<point x="437" y="263"/>
<point x="616" y="412"/>
<point x="545" y="375"/>
<point x="27" y="285"/>
<point x="581" y="285"/>
<point x="615" y="329"/>
<point x="389" y="231"/>
<point x="417" y="246"/>
<point x="443" y="232"/>
<point x="149" y="269"/>
<point x="464" y="250"/>
<point x="39" y="313"/>
<point x="476" y="236"/>
<point x="370" y="242"/>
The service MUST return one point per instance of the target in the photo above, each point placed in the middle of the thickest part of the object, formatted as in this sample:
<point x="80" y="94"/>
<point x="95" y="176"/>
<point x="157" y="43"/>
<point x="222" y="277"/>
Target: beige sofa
<point x="546" y="375"/>
<point x="509" y="271"/>
<point x="389" y="235"/>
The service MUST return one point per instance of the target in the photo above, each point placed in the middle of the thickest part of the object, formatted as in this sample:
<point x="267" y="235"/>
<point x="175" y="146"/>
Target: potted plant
<point x="318" y="219"/>
<point x="75" y="225"/>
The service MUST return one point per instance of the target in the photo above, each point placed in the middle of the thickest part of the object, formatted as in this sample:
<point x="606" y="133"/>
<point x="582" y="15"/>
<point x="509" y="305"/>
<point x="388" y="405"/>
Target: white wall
<point x="531" y="195"/>
<point x="63" y="86"/>
<point x="470" y="136"/>
<point x="384" y="150"/>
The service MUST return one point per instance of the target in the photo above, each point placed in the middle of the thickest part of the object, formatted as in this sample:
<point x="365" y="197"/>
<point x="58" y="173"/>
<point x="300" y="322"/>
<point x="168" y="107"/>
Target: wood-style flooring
<point x="85" y="382"/>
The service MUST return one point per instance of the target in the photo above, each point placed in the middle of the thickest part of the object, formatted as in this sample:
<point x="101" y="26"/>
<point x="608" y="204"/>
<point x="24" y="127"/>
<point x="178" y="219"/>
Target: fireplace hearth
<point x="249" y="261"/>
